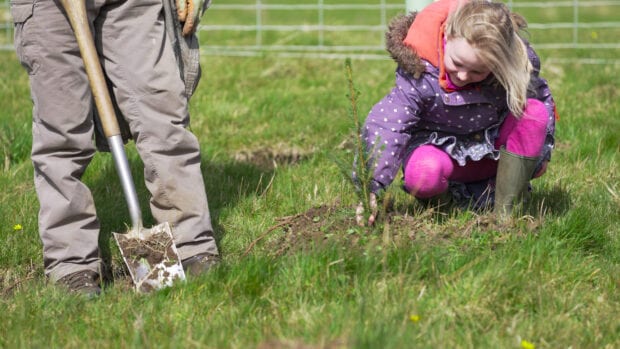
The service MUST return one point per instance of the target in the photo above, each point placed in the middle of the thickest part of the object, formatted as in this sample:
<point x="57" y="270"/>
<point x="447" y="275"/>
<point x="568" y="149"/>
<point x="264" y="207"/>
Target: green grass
<point x="556" y="287"/>
<point x="589" y="32"/>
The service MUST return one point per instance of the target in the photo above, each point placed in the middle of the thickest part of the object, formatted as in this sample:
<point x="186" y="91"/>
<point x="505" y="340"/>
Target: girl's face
<point x="462" y="63"/>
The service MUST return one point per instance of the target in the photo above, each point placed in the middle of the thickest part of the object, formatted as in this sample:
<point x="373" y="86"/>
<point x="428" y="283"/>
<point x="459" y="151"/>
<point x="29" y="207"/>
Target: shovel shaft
<point x="124" y="174"/>
<point x="76" y="11"/>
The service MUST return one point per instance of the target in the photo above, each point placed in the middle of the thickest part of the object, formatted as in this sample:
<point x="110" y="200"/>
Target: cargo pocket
<point x="21" y="11"/>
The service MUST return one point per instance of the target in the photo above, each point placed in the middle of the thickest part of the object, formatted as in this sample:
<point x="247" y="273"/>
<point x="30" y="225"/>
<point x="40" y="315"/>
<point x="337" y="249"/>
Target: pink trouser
<point x="429" y="169"/>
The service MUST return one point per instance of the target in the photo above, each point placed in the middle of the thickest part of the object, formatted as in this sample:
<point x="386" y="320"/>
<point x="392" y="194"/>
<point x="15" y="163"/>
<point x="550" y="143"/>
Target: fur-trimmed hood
<point x="403" y="55"/>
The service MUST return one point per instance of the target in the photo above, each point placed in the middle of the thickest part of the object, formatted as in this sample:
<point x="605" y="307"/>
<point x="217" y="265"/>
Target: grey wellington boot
<point x="511" y="184"/>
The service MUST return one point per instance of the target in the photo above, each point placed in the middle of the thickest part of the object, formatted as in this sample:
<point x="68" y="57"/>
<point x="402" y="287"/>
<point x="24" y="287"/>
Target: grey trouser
<point x="144" y="77"/>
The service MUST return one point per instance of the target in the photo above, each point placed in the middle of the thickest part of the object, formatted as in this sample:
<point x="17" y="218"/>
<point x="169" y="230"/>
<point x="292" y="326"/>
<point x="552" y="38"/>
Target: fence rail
<point x="333" y="28"/>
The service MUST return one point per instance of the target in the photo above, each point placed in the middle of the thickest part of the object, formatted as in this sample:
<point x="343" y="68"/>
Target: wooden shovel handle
<point x="76" y="11"/>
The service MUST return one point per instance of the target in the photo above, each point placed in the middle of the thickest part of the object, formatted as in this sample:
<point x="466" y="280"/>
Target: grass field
<point x="237" y="22"/>
<point x="269" y="128"/>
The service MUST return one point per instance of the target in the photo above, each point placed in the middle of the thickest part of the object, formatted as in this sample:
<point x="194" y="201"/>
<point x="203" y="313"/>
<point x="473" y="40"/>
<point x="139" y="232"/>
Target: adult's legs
<point x="140" y="63"/>
<point x="61" y="141"/>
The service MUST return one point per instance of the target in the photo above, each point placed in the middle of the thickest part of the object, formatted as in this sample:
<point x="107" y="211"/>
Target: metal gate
<point x="570" y="29"/>
<point x="337" y="28"/>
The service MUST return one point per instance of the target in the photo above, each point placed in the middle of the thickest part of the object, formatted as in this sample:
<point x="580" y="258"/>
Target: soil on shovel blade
<point x="155" y="248"/>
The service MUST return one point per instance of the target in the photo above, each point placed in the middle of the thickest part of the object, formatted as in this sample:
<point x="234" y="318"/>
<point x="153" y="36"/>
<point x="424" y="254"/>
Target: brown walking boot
<point x="199" y="264"/>
<point x="85" y="282"/>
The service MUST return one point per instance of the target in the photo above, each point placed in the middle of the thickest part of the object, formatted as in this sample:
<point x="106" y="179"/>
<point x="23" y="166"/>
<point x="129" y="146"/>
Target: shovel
<point x="150" y="254"/>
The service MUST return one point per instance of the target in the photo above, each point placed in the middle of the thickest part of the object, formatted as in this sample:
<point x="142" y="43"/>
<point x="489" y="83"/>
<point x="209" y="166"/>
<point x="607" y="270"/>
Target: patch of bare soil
<point x="327" y="225"/>
<point x="271" y="157"/>
<point x="310" y="229"/>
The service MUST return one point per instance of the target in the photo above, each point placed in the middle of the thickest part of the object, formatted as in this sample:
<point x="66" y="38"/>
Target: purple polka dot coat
<point x="464" y="123"/>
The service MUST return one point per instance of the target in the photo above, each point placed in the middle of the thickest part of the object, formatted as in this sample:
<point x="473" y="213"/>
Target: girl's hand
<point x="359" y="212"/>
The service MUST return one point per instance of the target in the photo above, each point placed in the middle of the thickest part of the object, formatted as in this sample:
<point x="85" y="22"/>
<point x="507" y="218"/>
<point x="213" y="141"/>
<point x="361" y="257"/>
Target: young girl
<point x="468" y="104"/>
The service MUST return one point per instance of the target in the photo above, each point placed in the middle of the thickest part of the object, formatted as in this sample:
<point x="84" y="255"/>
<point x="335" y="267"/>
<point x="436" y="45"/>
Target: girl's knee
<point x="535" y="110"/>
<point x="425" y="184"/>
<point x="427" y="172"/>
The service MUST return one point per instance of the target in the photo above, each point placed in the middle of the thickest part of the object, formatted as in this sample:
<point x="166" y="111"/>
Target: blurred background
<point x="583" y="31"/>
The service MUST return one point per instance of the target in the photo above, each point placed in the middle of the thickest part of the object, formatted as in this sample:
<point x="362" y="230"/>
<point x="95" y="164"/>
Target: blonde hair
<point x="493" y="30"/>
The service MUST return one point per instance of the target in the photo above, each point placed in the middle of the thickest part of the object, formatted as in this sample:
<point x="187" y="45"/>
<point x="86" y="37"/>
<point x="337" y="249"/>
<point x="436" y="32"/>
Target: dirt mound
<point x="313" y="228"/>
<point x="328" y="225"/>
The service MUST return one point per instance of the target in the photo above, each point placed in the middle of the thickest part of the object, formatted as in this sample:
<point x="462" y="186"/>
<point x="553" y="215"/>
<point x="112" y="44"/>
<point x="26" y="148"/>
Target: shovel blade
<point x="151" y="257"/>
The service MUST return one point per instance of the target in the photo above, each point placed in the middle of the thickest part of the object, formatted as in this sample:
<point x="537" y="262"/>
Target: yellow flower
<point x="414" y="318"/>
<point x="527" y="345"/>
<point x="17" y="227"/>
